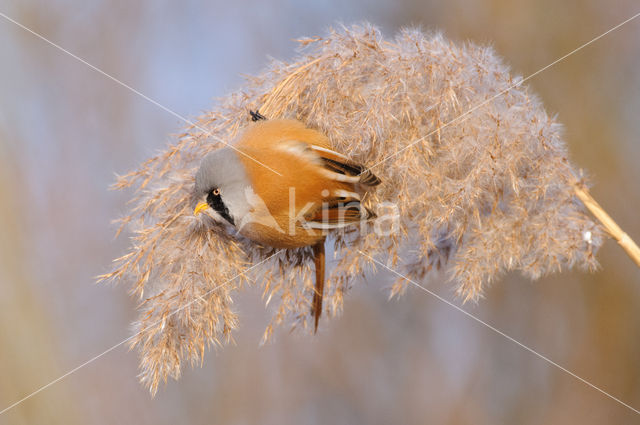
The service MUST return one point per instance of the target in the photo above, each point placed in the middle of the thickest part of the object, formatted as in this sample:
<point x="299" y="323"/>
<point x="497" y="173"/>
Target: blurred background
<point x="65" y="130"/>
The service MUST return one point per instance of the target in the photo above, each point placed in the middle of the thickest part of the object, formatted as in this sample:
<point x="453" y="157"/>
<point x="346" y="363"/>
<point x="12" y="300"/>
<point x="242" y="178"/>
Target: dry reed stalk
<point x="610" y="226"/>
<point x="476" y="199"/>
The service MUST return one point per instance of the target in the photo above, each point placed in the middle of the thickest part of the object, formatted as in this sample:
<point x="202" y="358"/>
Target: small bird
<point x="283" y="186"/>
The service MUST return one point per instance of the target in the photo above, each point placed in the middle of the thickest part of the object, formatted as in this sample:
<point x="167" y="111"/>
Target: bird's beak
<point x="200" y="207"/>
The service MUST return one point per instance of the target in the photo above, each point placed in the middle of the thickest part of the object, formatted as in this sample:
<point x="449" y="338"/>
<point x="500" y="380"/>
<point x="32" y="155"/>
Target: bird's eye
<point x="216" y="192"/>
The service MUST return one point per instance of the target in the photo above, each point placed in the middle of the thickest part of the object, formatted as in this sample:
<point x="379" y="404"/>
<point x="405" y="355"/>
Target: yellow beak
<point x="200" y="207"/>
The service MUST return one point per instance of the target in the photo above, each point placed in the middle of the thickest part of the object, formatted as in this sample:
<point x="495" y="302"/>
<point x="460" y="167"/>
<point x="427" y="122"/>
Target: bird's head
<point x="220" y="186"/>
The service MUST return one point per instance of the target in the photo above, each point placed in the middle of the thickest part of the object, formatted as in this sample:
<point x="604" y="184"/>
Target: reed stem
<point x="611" y="226"/>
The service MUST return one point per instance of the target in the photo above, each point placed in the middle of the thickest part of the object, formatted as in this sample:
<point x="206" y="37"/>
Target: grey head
<point x="222" y="182"/>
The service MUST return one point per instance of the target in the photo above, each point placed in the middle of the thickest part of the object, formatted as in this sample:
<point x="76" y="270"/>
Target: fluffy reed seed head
<point x="488" y="193"/>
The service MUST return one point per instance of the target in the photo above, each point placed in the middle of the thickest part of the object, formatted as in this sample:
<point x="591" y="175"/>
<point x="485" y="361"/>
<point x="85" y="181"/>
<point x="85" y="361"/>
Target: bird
<point x="281" y="184"/>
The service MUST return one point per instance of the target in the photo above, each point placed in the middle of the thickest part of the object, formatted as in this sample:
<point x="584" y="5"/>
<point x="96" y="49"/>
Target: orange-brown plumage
<point x="299" y="188"/>
<point x="301" y="182"/>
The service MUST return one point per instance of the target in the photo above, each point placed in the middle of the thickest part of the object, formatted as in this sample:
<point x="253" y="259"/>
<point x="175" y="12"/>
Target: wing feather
<point x="337" y="214"/>
<point x="336" y="162"/>
<point x="335" y="165"/>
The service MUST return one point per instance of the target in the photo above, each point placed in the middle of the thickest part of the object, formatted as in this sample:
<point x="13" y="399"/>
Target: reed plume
<point x="483" y="195"/>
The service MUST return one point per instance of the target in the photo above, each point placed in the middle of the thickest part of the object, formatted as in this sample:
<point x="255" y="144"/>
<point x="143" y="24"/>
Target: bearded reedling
<point x="283" y="186"/>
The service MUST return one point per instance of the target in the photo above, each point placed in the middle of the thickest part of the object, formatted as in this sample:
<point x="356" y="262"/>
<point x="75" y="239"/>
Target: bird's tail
<point x="316" y="306"/>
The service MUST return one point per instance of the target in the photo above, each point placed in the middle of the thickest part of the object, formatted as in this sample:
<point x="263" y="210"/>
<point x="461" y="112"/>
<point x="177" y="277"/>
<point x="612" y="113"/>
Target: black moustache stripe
<point x="216" y="203"/>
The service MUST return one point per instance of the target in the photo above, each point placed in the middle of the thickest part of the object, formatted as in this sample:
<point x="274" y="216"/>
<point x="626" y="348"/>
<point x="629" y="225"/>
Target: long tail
<point x="316" y="307"/>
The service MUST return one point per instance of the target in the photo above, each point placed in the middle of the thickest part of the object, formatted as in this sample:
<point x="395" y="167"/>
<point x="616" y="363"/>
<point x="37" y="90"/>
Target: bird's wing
<point x="340" y="207"/>
<point x="337" y="213"/>
<point x="334" y="165"/>
<point x="337" y="163"/>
